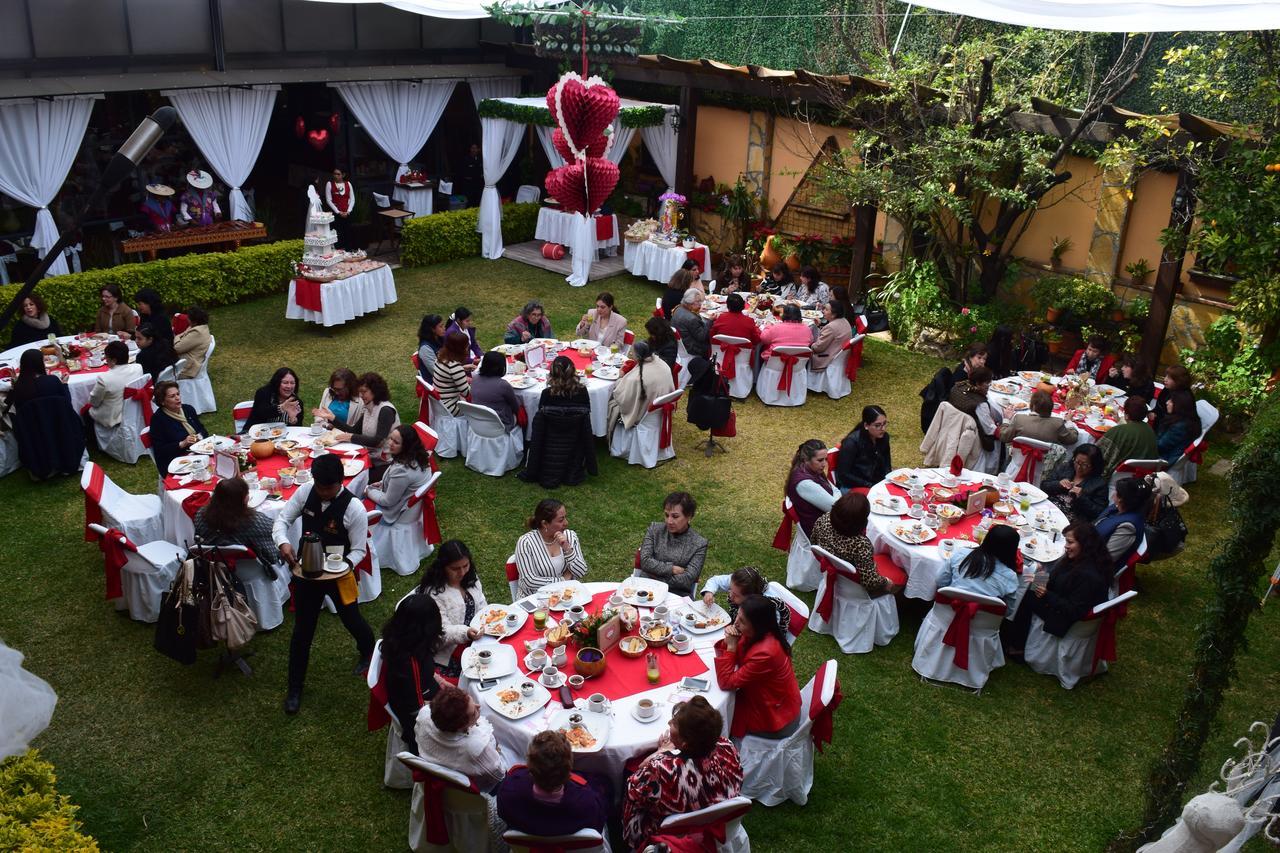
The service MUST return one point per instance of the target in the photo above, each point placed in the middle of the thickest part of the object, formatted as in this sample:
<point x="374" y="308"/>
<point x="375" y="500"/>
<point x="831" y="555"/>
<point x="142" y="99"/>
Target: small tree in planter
<point x="1138" y="271"/>
<point x="1050" y="295"/>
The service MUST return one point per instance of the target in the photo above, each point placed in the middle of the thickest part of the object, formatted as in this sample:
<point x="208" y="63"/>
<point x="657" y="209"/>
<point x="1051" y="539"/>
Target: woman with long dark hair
<point x="743" y="582"/>
<point x="277" y="401"/>
<point x="865" y="457"/>
<point x="227" y="520"/>
<point x="34" y="381"/>
<point x="550" y="551"/>
<point x="410" y="467"/>
<point x="662" y="340"/>
<point x="1180" y="425"/>
<point x="1079" y="582"/>
<point x="409" y="642"/>
<point x="450" y="377"/>
<point x="431" y="332"/>
<point x="807" y="486"/>
<point x="990" y="569"/>
<point x="151" y="310"/>
<point x="453" y="583"/>
<point x="463" y="322"/>
<point x="1133" y="377"/>
<point x="1123" y="523"/>
<point x="778" y="280"/>
<point x="733" y="276"/>
<point x="755" y="660"/>
<point x="33" y="323"/>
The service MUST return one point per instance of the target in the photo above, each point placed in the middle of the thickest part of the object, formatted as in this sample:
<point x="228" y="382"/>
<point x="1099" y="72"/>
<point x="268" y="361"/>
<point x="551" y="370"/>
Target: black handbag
<point x="1167" y="533"/>
<point x="177" y="626"/>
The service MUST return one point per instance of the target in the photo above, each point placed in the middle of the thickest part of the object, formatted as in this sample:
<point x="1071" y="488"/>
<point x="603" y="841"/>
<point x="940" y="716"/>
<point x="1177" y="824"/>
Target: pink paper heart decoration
<point x="567" y="186"/>
<point x="595" y="149"/>
<point x="318" y="138"/>
<point x="585" y="109"/>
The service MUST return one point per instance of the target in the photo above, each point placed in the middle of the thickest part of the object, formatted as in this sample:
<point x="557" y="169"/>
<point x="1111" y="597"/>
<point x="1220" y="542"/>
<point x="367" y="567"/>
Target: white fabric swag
<point x="228" y="125"/>
<point x="399" y="115"/>
<point x="1108" y="16"/>
<point x="622" y="137"/>
<point x="39" y="140"/>
<point x="499" y="141"/>
<point x="548" y="147"/>
<point x="661" y="142"/>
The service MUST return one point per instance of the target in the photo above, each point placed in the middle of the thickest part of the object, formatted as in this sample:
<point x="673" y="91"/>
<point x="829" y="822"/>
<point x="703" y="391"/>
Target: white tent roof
<point x="541" y="101"/>
<point x="455" y="9"/>
<point x="1115" y="16"/>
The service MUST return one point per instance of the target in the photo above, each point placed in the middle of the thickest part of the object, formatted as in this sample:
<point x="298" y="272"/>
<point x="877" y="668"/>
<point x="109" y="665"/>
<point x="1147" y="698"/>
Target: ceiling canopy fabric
<point x="1109" y="16"/>
<point x="460" y="10"/>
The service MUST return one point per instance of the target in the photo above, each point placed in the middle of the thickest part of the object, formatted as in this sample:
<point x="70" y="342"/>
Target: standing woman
<point x="549" y="552"/>
<point x="450" y="377"/>
<point x="151" y="310"/>
<point x="754" y="660"/>
<point x="453" y="584"/>
<point x="174" y="428"/>
<point x="462" y="320"/>
<point x="410" y="640"/>
<point x="340" y="196"/>
<point x="114" y="317"/>
<point x="410" y="467"/>
<point x="431" y="332"/>
<point x="864" y="453"/>
<point x="338" y="403"/>
<point x="372" y="424"/>
<point x="807" y="485"/>
<point x="277" y="401"/>
<point x="603" y="325"/>
<point x="34" y="323"/>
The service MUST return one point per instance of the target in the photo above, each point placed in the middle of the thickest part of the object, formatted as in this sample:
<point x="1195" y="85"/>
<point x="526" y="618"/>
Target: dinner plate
<point x="184" y="465"/>
<point x="1017" y="490"/>
<point x="481" y="621"/>
<point x="271" y="431"/>
<point x="950" y="512"/>
<point x="549" y="344"/>
<point x="1034" y="376"/>
<point x="713" y="614"/>
<point x="577" y="594"/>
<point x="510" y="349"/>
<point x="1041" y="547"/>
<point x="519" y="706"/>
<point x="629" y="588"/>
<point x="901" y="477"/>
<point x="584" y="343"/>
<point x="960" y="544"/>
<point x="352" y="467"/>
<point x="1005" y="387"/>
<point x="892" y="505"/>
<point x="521" y="381"/>
<point x="596" y="724"/>
<point x="256" y="497"/>
<point x="501" y="663"/>
<point x="213" y="444"/>
<point x="609" y="373"/>
<point x="904" y="533"/>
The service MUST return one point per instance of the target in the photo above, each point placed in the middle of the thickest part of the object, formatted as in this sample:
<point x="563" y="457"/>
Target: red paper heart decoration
<point x="567" y="186"/>
<point x="585" y="110"/>
<point x="318" y="139"/>
<point x="300" y="127"/>
<point x="595" y="149"/>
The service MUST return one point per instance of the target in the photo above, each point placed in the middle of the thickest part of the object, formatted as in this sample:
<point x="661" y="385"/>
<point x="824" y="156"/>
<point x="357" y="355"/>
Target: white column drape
<point x="39" y="140"/>
<point x="499" y="142"/>
<point x="621" y="142"/>
<point x="661" y="142"/>
<point x="548" y="147"/>
<point x="583" y="248"/>
<point x="398" y="114"/>
<point x="228" y="125"/>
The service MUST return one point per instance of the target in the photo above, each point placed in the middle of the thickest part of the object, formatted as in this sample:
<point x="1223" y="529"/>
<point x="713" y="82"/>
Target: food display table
<point x="234" y="232"/>
<point x="922" y="562"/>
<point x="80" y="382"/>
<point x="365" y="287"/>
<point x="623" y="683"/>
<point x="529" y="385"/>
<point x="418" y="197"/>
<point x="658" y="262"/>
<point x="1101" y="413"/>
<point x="181" y="496"/>
<point x="556" y="226"/>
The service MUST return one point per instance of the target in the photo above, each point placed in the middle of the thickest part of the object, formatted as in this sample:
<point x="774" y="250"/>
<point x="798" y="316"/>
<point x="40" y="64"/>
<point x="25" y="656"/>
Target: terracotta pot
<point x="1063" y="346"/>
<point x="591" y="665"/>
<point x="262" y="449"/>
<point x="769" y="255"/>
<point x="1118" y="315"/>
<point x="1052" y="314"/>
<point x="793" y="263"/>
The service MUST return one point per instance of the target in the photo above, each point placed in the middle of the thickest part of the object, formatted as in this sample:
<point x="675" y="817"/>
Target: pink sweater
<point x="784" y="335"/>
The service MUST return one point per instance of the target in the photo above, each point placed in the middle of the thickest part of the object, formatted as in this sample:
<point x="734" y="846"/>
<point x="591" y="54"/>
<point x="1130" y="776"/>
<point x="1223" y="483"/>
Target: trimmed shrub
<point x="451" y="234"/>
<point x="33" y="815"/>
<point x="215" y="278"/>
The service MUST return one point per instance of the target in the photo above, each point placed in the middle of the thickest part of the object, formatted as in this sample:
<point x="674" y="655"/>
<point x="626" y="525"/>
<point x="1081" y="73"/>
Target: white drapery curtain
<point x="398" y="114"/>
<point x="661" y="142"/>
<point x="621" y="141"/>
<point x="457" y="10"/>
<point x="499" y="141"/>
<point x="548" y="147"/>
<point x="228" y="125"/>
<point x="1108" y="16"/>
<point x="39" y="140"/>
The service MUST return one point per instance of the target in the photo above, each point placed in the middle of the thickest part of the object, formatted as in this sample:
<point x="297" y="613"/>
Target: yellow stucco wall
<point x="720" y="150"/>
<point x="1069" y="210"/>
<point x="795" y="144"/>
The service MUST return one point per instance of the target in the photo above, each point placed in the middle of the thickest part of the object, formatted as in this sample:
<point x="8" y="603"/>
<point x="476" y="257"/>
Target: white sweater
<point x="474" y="752"/>
<point x="453" y="610"/>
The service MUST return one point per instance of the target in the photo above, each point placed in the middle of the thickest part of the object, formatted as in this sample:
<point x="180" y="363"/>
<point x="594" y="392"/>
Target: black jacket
<point x="403" y="697"/>
<point x="709" y="403"/>
<point x="266" y="411"/>
<point x="49" y="432"/>
<point x="934" y="393"/>
<point x="863" y="462"/>
<point x="155" y="358"/>
<point x="167" y="434"/>
<point x="24" y="334"/>
<point x="562" y="449"/>
<point x="1073" y="591"/>
<point x="1092" y="499"/>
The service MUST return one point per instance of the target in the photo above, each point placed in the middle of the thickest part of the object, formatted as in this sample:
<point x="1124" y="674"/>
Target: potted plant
<point x="1057" y="248"/>
<point x="1088" y="301"/>
<point x="1050" y="294"/>
<point x="1138" y="271"/>
<point x="1139" y="308"/>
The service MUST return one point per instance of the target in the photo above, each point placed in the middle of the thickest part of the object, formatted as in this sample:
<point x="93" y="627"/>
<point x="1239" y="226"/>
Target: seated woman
<point x="602" y="324"/>
<point x="1133" y="377"/>
<point x="687" y="320"/>
<point x="227" y="520"/>
<point x="277" y="401"/>
<point x="970" y="397"/>
<point x="1123" y="523"/>
<point x="692" y="768"/>
<point x="488" y="388"/>
<point x="431" y="332"/>
<point x="151" y="310"/>
<point x="834" y="334"/>
<point x="106" y="400"/>
<point x="450" y="377"/>
<point x="1039" y="422"/>
<point x="637" y="388"/>
<point x="733" y="322"/>
<point x="550" y="551"/>
<point x="791" y="332"/>
<point x="339" y="402"/>
<point x="843" y="532"/>
<point x="733" y="277"/>
<point x="561" y="449"/>
<point x="990" y="569"/>
<point x="1080" y="581"/>
<point x="974" y="356"/>
<point x="371" y="424"/>
<point x="532" y="322"/>
<point x="810" y="289"/>
<point x="463" y="321"/>
<point x="864" y="458"/>
<point x="563" y="387"/>
<point x="745" y="581"/>
<point x="679" y="282"/>
<point x="778" y="280"/>
<point x="409" y="640"/>
<point x="410" y="467"/>
<point x="545" y="797"/>
<point x="1180" y="425"/>
<point x="49" y="432"/>
<point x="807" y="485"/>
<point x="1176" y="378"/>
<point x="155" y="355"/>
<point x="672" y="551"/>
<point x="754" y="659"/>
<point x="662" y="340"/>
<point x="453" y="584"/>
<point x="34" y="323"/>
<point x="34" y="381"/>
<point x="114" y="317"/>
<point x="174" y="427"/>
<point x="193" y="343"/>
<point x="451" y="733"/>
<point x="1077" y="486"/>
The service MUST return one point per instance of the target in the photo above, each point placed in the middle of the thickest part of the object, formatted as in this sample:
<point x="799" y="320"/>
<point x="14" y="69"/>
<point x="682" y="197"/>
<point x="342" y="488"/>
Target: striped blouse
<point x="450" y="379"/>
<point x="535" y="564"/>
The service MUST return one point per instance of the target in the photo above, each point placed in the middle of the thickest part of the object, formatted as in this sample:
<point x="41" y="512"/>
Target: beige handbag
<point x="233" y="619"/>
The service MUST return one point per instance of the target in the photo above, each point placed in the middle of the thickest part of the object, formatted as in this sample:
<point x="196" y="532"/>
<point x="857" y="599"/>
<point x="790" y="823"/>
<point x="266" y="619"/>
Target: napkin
<point x="957" y="466"/>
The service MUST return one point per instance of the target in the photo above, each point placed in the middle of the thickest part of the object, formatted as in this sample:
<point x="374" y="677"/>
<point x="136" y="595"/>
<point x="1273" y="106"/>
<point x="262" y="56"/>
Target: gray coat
<point x="390" y="493"/>
<point x="693" y="331"/>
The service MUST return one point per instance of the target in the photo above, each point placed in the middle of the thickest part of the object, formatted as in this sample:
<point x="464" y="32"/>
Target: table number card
<point x="976" y="503"/>
<point x="535" y="356"/>
<point x="610" y="633"/>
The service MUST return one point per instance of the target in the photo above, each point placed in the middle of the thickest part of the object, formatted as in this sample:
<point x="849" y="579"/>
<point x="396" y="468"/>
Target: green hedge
<point x="33" y="815"/>
<point x="451" y="235"/>
<point x="216" y="278"/>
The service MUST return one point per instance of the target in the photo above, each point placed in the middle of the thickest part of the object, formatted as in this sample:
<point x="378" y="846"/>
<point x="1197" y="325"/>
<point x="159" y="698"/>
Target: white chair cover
<point x="682" y="358"/>
<point x="743" y="378"/>
<point x="394" y="774"/>
<point x="401" y="546"/>
<point x="466" y="814"/>
<point x="774" y="771"/>
<point x="799" y="610"/>
<point x="170" y="373"/>
<point x="9" y="460"/>
<point x="859" y="622"/>
<point x="1069" y="658"/>
<point x="1016" y="455"/>
<point x="528" y="192"/>
<point x="453" y="431"/>
<point x="124" y="440"/>
<point x="639" y="445"/>
<point x="831" y="380"/>
<point x="771" y="372"/>
<point x="736" y="840"/>
<point x="491" y="448"/>
<point x="137" y="516"/>
<point x="803" y="572"/>
<point x="198" y="391"/>
<point x="1134" y="466"/>
<point x="1184" y="470"/>
<point x="240" y="414"/>
<point x="586" y="840"/>
<point x="147" y="576"/>
<point x="933" y="659"/>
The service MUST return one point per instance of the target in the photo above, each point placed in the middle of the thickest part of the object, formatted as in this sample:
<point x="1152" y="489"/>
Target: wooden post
<point x="864" y="227"/>
<point x="685" y="139"/>
<point x="1169" y="274"/>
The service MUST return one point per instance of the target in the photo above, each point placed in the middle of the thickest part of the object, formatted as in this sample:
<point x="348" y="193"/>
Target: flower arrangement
<point x="586" y="633"/>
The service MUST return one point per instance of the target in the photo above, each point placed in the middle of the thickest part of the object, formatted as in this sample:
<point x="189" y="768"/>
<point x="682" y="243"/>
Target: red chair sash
<point x="822" y="715"/>
<point x="424" y="404"/>
<point x="826" y="604"/>
<point x="782" y="539"/>
<point x="729" y="365"/>
<point x="788" y="368"/>
<point x="1031" y="457"/>
<point x="433" y="789"/>
<point x="92" y="498"/>
<point x="699" y="257"/>
<point x="144" y="397"/>
<point x="604" y="227"/>
<point x="430" y="524"/>
<point x="957" y="635"/>
<point x="522" y="417"/>
<point x="114" y="556"/>
<point x="1105" y="648"/>
<point x="1195" y="452"/>
<point x="668" y="413"/>
<point x="853" y="362"/>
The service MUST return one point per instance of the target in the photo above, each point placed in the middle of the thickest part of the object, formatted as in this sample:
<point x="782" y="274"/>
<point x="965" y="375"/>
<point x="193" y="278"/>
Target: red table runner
<point x="306" y="294"/>
<point x="622" y="676"/>
<point x="961" y="528"/>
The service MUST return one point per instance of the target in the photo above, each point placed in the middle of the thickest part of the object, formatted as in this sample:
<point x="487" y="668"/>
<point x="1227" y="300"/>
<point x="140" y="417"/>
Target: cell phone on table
<point x="487" y="684"/>
<point x="529" y="606"/>
<point x="699" y="684"/>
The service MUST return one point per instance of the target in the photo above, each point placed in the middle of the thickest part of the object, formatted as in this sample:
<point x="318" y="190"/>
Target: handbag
<point x="176" y="628"/>
<point x="1167" y="533"/>
<point x="231" y="619"/>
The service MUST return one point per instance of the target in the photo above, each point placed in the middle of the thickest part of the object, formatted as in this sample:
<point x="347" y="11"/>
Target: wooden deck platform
<point x="531" y="253"/>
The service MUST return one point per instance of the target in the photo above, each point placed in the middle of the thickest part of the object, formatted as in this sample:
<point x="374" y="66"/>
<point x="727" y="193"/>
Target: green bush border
<point x="215" y="278"/>
<point x="33" y="815"/>
<point x="452" y="235"/>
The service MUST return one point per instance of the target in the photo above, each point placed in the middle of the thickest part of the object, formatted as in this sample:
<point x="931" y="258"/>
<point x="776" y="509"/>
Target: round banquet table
<point x="80" y="383"/>
<point x="598" y="390"/>
<point x="922" y="563"/>
<point x="1015" y="391"/>
<point x="658" y="263"/>
<point x="623" y="682"/>
<point x="179" y="514"/>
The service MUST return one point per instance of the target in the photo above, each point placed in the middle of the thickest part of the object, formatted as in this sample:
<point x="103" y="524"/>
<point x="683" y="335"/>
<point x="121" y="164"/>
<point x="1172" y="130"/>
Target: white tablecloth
<point x="347" y="298"/>
<point x="1001" y="400"/>
<point x="659" y="263"/>
<point x="80" y="385"/>
<point x="418" y="200"/>
<point x="597" y="389"/>
<point x="627" y="736"/>
<point x="556" y="226"/>
<point x="923" y="562"/>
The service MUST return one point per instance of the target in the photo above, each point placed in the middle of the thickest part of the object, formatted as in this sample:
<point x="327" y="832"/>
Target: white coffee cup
<point x="317" y="428"/>
<point x="246" y="440"/>
<point x="615" y="600"/>
<point x="916" y="511"/>
<point x="537" y="659"/>
<point x="484" y="655"/>
<point x="302" y="477"/>
<point x="577" y="613"/>
<point x="550" y="674"/>
<point x="661" y="613"/>
<point x="681" y="642"/>
<point x="333" y="562"/>
<point x="526" y="689"/>
<point x="286" y="481"/>
<point x="595" y="702"/>
<point x="645" y="709"/>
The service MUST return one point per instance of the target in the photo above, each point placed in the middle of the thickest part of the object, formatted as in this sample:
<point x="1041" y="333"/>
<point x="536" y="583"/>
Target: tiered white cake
<point x="318" y="242"/>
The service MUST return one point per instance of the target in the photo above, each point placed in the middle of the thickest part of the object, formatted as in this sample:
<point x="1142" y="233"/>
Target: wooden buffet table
<point x="234" y="232"/>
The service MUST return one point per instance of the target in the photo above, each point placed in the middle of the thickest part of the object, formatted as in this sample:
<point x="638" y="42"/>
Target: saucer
<point x="528" y="665"/>
<point x="560" y="681"/>
<point x="671" y="647"/>
<point x="657" y="713"/>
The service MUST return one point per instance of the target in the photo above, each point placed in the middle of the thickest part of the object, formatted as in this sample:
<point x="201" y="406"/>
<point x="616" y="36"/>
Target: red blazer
<point x="738" y="325"/>
<point x="768" y="695"/>
<point x="1108" y="361"/>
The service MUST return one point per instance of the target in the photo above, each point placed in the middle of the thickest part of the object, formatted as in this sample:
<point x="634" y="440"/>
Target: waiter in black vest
<point x="332" y="513"/>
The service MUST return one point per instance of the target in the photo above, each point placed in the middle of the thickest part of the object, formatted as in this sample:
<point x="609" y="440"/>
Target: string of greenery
<point x="651" y="115"/>
<point x="1237" y="569"/>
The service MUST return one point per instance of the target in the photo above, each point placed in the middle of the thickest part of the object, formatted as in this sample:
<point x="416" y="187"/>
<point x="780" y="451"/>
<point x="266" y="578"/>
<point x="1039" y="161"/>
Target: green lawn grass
<point x="159" y="756"/>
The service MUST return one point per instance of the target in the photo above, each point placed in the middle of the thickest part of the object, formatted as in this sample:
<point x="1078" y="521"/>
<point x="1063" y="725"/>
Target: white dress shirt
<point x="354" y="519"/>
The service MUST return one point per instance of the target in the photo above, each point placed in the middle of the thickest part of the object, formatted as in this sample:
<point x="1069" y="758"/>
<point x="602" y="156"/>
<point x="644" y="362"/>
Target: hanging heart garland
<point x="318" y="139"/>
<point x="582" y="186"/>
<point x="595" y="149"/>
<point x="582" y="110"/>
